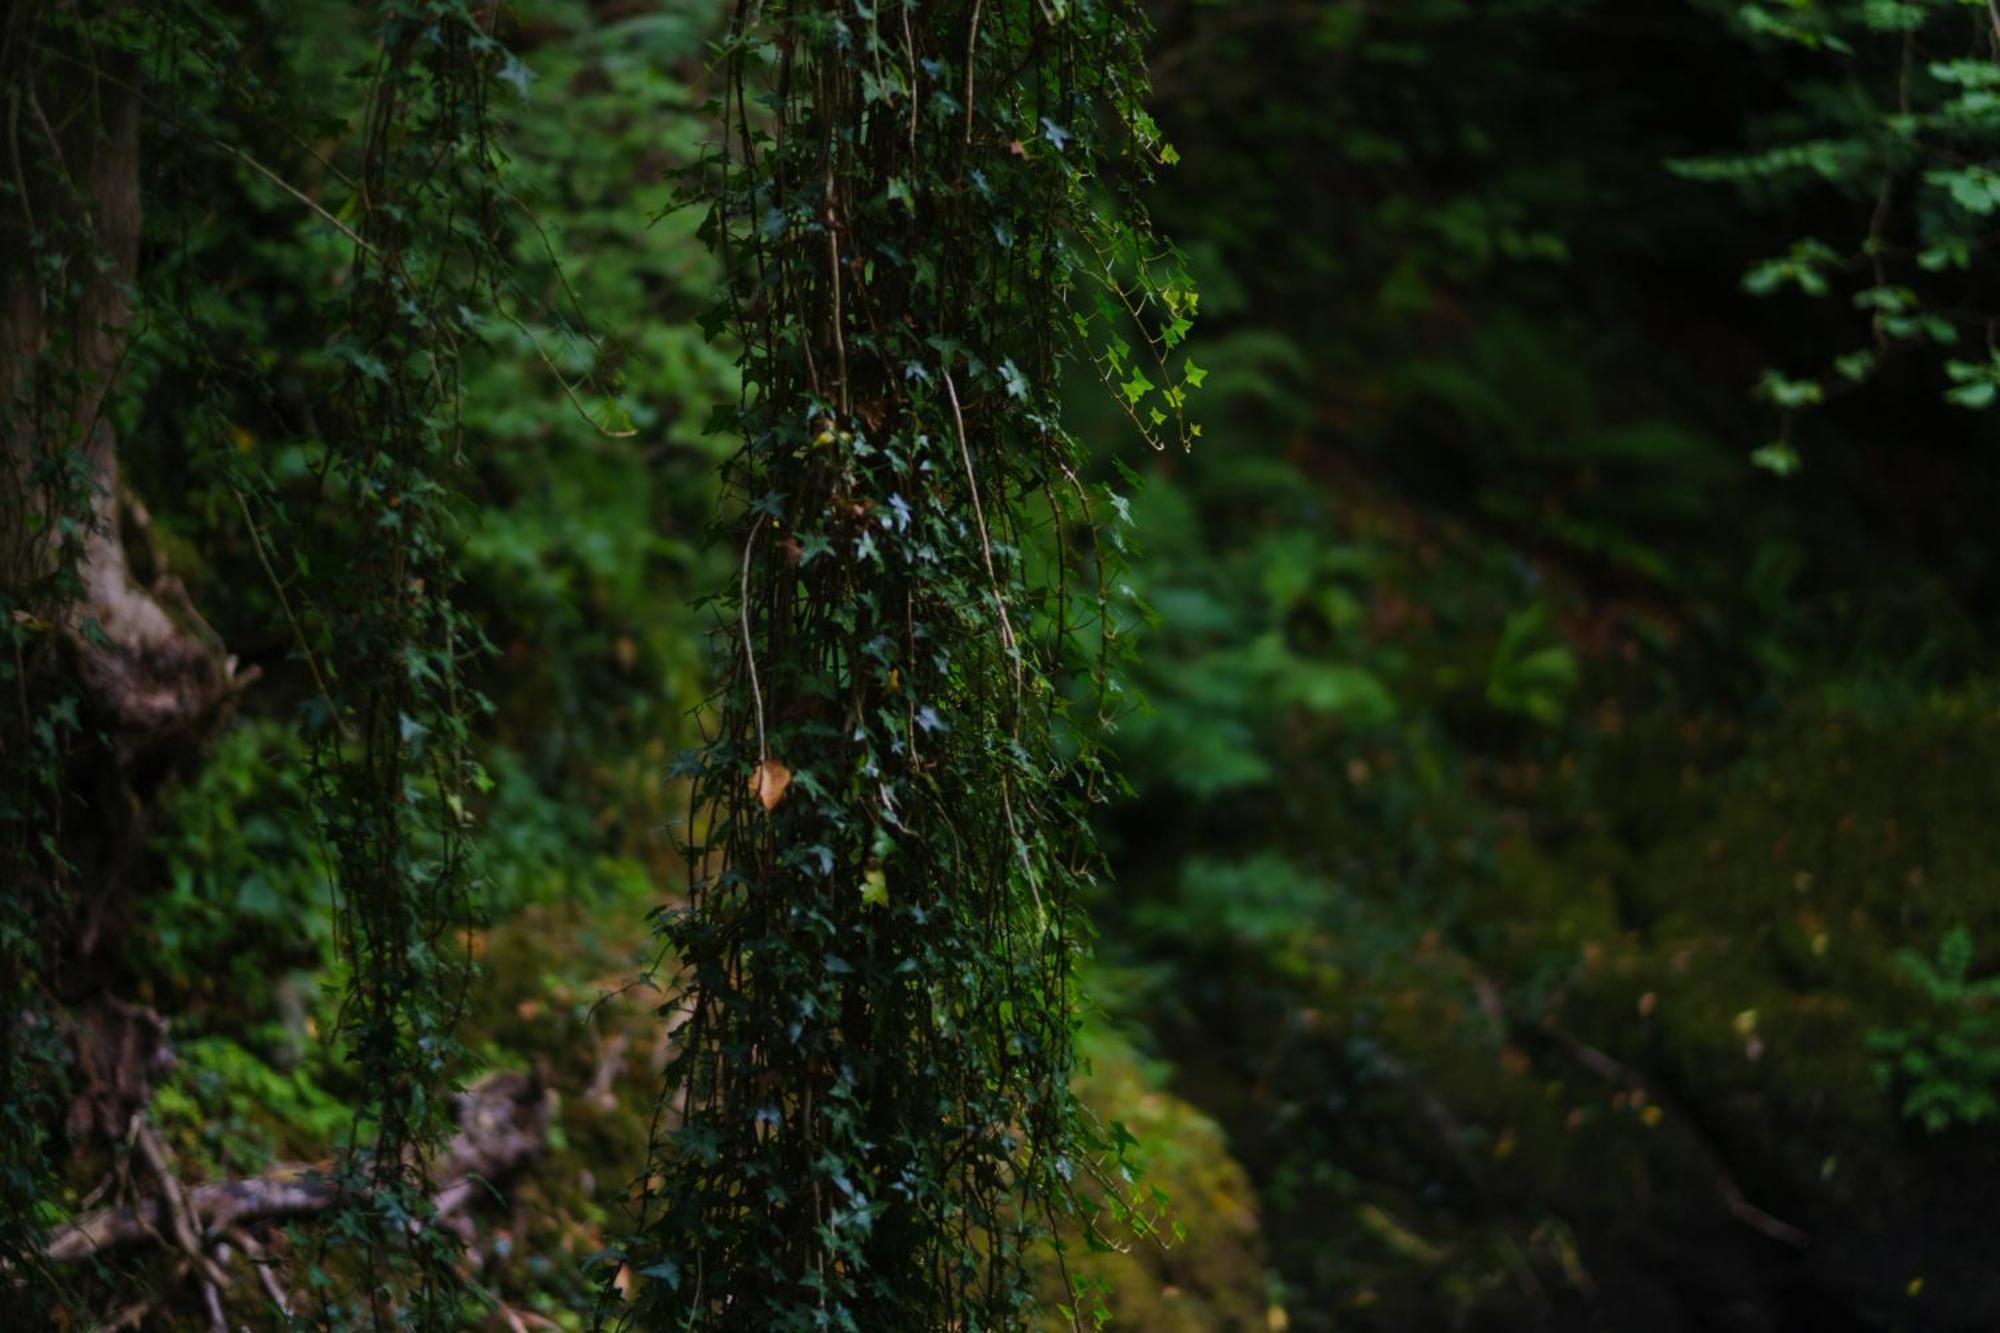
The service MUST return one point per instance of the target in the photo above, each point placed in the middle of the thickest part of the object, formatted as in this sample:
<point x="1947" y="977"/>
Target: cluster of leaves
<point x="326" y="427"/>
<point x="1896" y="115"/>
<point x="1948" y="1067"/>
<point x="922" y="211"/>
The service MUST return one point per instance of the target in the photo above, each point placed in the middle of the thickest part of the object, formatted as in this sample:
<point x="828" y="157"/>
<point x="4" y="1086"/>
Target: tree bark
<point x="151" y="677"/>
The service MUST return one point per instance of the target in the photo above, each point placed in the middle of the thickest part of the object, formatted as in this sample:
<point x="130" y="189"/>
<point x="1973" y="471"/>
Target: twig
<point x="278" y="587"/>
<point x="569" y="391"/>
<point x="985" y="540"/>
<point x="1740" y="1208"/>
<point x="750" y="653"/>
<point x="610" y="1063"/>
<point x="180" y="1218"/>
<point x="833" y="272"/>
<point x="233" y="151"/>
<point x="1007" y="638"/>
<point x="132" y="1316"/>
<point x="211" y="1298"/>
<point x="910" y="48"/>
<point x="261" y="1265"/>
<point x="971" y="63"/>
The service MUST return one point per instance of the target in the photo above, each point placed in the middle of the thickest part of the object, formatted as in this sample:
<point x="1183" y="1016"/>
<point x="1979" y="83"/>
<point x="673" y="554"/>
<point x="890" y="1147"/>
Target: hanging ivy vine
<point x="394" y="765"/>
<point x="924" y="212"/>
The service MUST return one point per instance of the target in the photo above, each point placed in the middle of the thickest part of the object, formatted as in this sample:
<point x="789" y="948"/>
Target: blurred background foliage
<point x="1559" y="873"/>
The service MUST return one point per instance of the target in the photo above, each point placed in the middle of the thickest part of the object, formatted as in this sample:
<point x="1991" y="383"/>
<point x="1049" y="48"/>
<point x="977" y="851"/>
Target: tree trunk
<point x="148" y="676"/>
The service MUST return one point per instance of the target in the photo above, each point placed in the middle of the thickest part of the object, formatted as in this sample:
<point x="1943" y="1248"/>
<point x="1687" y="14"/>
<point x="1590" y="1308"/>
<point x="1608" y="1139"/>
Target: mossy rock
<point x="1204" y="1272"/>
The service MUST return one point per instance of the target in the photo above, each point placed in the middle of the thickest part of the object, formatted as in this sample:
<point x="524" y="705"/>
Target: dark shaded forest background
<point x="1560" y="854"/>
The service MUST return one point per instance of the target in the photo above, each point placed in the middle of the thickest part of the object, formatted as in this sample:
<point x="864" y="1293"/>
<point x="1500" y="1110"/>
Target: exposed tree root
<point x="503" y="1123"/>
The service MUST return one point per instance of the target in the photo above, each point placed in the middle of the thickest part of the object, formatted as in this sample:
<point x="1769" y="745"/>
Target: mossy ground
<point x="1632" y="1085"/>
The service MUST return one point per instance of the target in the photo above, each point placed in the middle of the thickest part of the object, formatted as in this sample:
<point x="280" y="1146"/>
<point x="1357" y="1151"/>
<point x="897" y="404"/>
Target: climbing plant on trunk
<point x="924" y="212"/>
<point x="111" y="683"/>
<point x="107" y="678"/>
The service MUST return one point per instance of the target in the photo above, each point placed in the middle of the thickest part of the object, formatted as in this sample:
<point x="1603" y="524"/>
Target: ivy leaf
<point x="1975" y="189"/>
<point x="769" y="782"/>
<point x="1779" y="459"/>
<point x="1137" y="387"/>
<point x="875" y="888"/>
<point x="516" y="72"/>
<point x="1790" y="393"/>
<point x="1976" y="386"/>
<point x="1977" y="395"/>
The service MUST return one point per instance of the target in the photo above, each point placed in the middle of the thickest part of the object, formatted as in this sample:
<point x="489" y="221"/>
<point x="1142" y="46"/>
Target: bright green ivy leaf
<point x="1778" y="458"/>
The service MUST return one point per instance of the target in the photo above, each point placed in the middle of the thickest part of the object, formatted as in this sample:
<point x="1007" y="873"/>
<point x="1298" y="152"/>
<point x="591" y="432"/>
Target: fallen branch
<point x="503" y="1123"/>
<point x="260" y="1263"/>
<point x="186" y="1233"/>
<point x="1733" y="1198"/>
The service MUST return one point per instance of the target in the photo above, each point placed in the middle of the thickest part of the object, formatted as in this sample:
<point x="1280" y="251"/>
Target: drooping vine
<point x="924" y="212"/>
<point x="394" y="762"/>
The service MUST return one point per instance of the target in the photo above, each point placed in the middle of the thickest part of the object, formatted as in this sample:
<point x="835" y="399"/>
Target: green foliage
<point x="1949" y="1065"/>
<point x="240" y="1113"/>
<point x="244" y="878"/>
<point x="921" y="213"/>
<point x="1530" y="675"/>
<point x="316" y="422"/>
<point x="1895" y="120"/>
<point x="1529" y="799"/>
<point x="583" y="548"/>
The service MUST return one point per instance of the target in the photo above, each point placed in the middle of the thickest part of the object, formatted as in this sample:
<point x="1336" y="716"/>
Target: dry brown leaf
<point x="769" y="781"/>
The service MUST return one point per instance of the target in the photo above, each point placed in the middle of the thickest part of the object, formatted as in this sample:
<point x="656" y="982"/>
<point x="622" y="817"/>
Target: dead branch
<point x="503" y="1123"/>
<point x="603" y="1093"/>
<point x="260" y="1264"/>
<point x="1733" y="1198"/>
